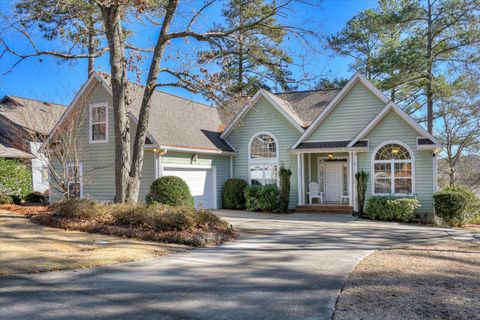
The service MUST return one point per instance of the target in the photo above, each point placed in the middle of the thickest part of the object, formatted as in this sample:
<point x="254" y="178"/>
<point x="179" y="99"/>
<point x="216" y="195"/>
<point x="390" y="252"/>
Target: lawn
<point x="26" y="247"/>
<point x="439" y="281"/>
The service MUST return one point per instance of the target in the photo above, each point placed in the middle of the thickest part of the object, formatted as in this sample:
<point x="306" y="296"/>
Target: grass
<point x="26" y="247"/>
<point x="439" y="281"/>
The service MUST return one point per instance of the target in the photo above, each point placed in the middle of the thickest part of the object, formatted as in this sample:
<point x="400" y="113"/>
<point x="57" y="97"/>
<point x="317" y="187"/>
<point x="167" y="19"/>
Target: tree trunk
<point x="429" y="89"/>
<point x="112" y="16"/>
<point x="143" y="118"/>
<point x="91" y="49"/>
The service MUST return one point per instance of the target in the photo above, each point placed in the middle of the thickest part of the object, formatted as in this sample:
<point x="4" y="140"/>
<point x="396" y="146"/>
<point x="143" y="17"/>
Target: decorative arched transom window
<point x="393" y="170"/>
<point x="263" y="159"/>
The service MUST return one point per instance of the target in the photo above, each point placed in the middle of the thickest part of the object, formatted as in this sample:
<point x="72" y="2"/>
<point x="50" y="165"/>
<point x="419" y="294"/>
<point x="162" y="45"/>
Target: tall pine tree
<point x="252" y="58"/>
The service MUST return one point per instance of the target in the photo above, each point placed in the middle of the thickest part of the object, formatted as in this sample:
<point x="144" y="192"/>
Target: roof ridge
<point x="309" y="90"/>
<point x="162" y="91"/>
<point x="42" y="101"/>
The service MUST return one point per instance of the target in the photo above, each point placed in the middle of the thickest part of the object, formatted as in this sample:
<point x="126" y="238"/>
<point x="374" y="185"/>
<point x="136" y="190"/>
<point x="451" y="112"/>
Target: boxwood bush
<point x="472" y="206"/>
<point x="170" y="190"/>
<point x="391" y="208"/>
<point x="234" y="194"/>
<point x="450" y="207"/>
<point x="263" y="198"/>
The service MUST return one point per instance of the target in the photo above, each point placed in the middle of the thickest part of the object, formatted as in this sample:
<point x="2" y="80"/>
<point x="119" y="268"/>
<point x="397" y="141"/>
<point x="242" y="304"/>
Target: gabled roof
<point x="33" y="115"/>
<point x="175" y="122"/>
<point x="7" y="151"/>
<point x="358" y="77"/>
<point x="392" y="106"/>
<point x="280" y="104"/>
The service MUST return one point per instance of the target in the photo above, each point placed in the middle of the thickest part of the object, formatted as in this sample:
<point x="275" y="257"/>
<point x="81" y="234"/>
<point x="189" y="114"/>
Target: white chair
<point x="314" y="192"/>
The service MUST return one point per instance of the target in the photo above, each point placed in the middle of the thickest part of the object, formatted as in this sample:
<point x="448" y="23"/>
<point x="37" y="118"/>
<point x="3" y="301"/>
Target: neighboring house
<point x="325" y="136"/>
<point x="24" y="124"/>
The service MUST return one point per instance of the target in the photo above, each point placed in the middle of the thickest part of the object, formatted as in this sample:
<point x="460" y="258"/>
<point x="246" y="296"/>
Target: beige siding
<point x="393" y="127"/>
<point x="350" y="115"/>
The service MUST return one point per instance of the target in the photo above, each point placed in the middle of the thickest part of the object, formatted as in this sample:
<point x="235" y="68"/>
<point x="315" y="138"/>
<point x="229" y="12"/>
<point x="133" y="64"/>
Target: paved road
<point x="282" y="267"/>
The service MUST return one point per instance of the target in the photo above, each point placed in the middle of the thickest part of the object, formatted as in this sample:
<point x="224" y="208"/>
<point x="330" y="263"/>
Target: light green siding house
<point x="323" y="136"/>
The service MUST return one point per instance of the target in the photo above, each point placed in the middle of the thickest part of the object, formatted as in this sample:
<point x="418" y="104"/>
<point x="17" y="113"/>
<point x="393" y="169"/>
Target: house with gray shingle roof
<point x="324" y="136"/>
<point x="24" y="124"/>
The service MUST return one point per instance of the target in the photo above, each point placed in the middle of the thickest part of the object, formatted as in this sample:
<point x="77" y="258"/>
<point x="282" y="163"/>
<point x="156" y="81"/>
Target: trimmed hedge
<point x="36" y="197"/>
<point x="234" y="194"/>
<point x="472" y="207"/>
<point x="450" y="207"/>
<point x="263" y="198"/>
<point x="171" y="191"/>
<point x="391" y="208"/>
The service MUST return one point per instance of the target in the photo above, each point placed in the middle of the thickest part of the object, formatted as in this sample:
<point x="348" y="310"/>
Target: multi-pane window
<point x="98" y="123"/>
<point x="392" y="168"/>
<point x="263" y="159"/>
<point x="74" y="180"/>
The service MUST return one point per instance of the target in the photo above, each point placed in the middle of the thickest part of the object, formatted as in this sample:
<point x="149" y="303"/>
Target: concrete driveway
<point x="282" y="267"/>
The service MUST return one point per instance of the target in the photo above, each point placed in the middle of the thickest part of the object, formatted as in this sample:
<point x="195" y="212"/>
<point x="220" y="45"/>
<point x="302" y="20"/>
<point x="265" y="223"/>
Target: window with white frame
<point x="393" y="170"/>
<point x="263" y="159"/>
<point x="74" y="180"/>
<point x="98" y="123"/>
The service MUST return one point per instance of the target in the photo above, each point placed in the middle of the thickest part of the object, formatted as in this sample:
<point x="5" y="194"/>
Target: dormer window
<point x="98" y="123"/>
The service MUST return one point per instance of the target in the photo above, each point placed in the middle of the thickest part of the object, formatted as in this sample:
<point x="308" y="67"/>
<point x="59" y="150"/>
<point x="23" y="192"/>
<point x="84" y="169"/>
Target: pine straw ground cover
<point x="178" y="225"/>
<point x="440" y="281"/>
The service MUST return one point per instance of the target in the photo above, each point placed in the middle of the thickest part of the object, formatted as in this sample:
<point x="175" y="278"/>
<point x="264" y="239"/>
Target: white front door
<point x="333" y="182"/>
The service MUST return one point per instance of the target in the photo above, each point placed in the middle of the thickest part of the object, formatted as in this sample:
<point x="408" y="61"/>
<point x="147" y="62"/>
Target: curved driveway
<point x="281" y="267"/>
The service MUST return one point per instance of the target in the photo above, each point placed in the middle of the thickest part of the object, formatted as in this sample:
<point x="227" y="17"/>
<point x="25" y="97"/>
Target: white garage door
<point x="200" y="182"/>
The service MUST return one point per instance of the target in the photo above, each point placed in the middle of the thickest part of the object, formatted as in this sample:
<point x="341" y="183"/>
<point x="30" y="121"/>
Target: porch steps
<point x="324" y="208"/>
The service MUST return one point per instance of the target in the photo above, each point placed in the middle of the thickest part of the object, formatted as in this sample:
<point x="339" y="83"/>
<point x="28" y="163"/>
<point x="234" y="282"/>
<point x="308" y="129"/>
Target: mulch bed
<point x="199" y="238"/>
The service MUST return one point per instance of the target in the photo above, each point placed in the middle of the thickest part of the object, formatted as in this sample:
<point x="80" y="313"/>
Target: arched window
<point x="263" y="159"/>
<point x="393" y="169"/>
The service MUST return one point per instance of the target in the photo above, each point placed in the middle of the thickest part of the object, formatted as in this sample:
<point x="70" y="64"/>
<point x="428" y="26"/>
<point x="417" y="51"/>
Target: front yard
<point x="26" y="247"/>
<point x="440" y="281"/>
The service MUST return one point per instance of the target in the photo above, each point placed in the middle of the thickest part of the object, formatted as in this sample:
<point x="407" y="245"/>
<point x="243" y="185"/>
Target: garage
<point x="201" y="182"/>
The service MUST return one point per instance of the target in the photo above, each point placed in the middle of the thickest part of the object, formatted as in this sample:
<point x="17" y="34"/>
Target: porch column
<point x="299" y="178"/>
<point x="350" y="179"/>
<point x="355" y="170"/>
<point x="309" y="168"/>
<point x="303" y="178"/>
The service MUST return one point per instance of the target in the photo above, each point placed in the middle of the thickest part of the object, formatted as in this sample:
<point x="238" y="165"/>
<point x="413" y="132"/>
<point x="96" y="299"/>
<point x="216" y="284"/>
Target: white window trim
<point x="392" y="178"/>
<point x="90" y="124"/>
<point x="263" y="162"/>
<point x="80" y="165"/>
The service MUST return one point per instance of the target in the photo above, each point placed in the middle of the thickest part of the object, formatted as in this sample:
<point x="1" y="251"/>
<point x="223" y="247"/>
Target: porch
<point x="332" y="172"/>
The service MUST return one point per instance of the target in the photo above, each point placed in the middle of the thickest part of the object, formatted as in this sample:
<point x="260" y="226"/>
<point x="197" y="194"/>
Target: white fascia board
<point x="327" y="150"/>
<point x="194" y="150"/>
<point x="402" y="114"/>
<point x="93" y="77"/>
<point x="251" y="103"/>
<point x="357" y="77"/>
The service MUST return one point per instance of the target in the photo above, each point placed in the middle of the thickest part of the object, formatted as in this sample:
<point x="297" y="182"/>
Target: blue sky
<point x="49" y="79"/>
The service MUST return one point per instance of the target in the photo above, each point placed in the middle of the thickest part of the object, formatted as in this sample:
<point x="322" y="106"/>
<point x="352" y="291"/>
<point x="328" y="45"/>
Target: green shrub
<point x="285" y="175"/>
<point x="170" y="190"/>
<point x="234" y="194"/>
<point x="81" y="209"/>
<point x="450" y="207"/>
<point x="15" y="178"/>
<point x="263" y="198"/>
<point x="16" y="198"/>
<point x="391" y="208"/>
<point x="4" y="199"/>
<point x="36" y="197"/>
<point x="133" y="215"/>
<point x="472" y="207"/>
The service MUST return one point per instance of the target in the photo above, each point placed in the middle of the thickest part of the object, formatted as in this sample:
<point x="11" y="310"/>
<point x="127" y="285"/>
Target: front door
<point x="333" y="182"/>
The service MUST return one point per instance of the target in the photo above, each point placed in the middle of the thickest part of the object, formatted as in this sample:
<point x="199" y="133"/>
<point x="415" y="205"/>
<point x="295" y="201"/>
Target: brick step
<point x="324" y="209"/>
